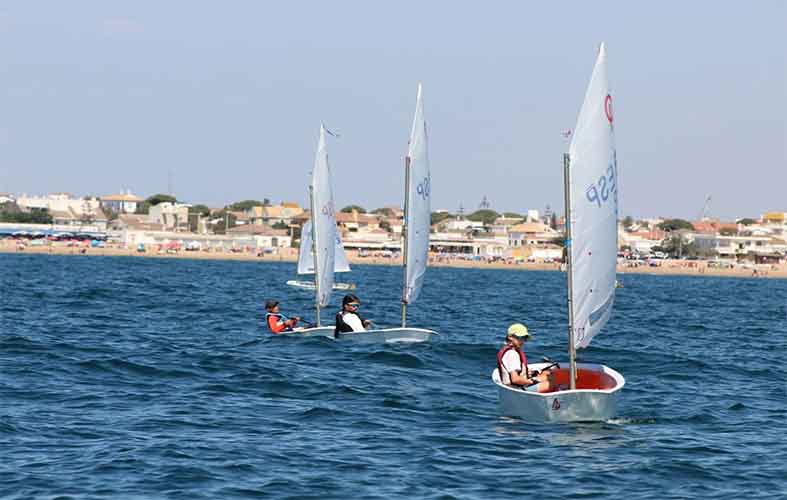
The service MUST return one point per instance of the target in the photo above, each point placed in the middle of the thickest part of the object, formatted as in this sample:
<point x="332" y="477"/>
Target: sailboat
<point x="585" y="391"/>
<point x="306" y="261"/>
<point x="417" y="222"/>
<point x="322" y="231"/>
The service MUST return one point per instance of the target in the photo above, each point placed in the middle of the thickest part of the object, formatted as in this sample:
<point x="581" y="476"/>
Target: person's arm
<point x="275" y="325"/>
<point x="519" y="379"/>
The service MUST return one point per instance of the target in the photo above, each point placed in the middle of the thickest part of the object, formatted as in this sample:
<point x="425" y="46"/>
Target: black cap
<point x="270" y="303"/>
<point x="349" y="298"/>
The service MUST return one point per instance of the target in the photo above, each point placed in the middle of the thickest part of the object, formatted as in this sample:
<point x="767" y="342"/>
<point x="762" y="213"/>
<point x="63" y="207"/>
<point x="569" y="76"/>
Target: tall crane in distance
<point x="705" y="208"/>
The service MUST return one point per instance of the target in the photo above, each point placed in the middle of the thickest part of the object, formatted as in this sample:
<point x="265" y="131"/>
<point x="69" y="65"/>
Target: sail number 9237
<point x="604" y="188"/>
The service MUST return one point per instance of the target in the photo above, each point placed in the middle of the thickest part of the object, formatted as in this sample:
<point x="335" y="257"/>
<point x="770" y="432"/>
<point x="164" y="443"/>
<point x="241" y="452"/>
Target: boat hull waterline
<point x="595" y="398"/>
<point x="309" y="285"/>
<point x="383" y="335"/>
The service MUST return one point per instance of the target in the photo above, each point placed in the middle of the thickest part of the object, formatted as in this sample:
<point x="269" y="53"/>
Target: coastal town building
<point x="283" y="213"/>
<point x="123" y="203"/>
<point x="172" y="216"/>
<point x="263" y="236"/>
<point x="531" y="233"/>
<point x="731" y="247"/>
<point x="62" y="202"/>
<point x="353" y="222"/>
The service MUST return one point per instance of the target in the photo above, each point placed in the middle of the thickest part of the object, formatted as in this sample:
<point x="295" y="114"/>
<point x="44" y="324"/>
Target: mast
<point x="572" y="353"/>
<point x="314" y="254"/>
<point x="405" y="237"/>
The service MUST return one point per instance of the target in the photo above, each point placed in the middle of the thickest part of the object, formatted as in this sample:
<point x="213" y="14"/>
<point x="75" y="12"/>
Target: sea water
<point x="124" y="377"/>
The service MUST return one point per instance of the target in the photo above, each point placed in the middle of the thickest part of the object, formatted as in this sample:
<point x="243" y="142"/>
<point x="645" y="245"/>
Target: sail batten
<point x="594" y="208"/>
<point x="418" y="217"/>
<point x="324" y="222"/>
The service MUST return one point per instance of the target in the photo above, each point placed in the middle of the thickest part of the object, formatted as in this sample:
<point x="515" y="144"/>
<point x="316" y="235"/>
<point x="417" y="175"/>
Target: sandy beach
<point x="662" y="267"/>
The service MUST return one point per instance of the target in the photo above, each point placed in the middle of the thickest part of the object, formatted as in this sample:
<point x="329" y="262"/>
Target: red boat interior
<point x="586" y="379"/>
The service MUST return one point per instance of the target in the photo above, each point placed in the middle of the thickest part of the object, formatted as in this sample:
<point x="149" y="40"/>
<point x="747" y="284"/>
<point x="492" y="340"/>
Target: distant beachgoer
<point x="276" y="321"/>
<point x="512" y="363"/>
<point x="348" y="319"/>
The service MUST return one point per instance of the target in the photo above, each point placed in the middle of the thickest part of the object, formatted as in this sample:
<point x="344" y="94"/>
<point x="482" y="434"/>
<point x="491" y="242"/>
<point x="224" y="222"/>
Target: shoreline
<point x="665" y="267"/>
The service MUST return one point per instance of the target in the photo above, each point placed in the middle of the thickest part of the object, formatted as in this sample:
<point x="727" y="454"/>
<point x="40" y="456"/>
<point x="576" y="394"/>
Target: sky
<point x="222" y="101"/>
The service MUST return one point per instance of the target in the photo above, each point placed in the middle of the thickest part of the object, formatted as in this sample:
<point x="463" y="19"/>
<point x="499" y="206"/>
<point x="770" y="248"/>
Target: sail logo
<point x="579" y="334"/>
<point x="608" y="108"/>
<point x="424" y="188"/>
<point x="600" y="191"/>
<point x="556" y="405"/>
<point x="327" y="209"/>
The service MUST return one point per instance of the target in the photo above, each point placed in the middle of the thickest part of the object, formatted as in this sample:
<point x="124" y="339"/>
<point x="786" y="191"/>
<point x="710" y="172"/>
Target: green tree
<point x="387" y="212"/>
<point x="280" y="225"/>
<point x="200" y="209"/>
<point x="485" y="215"/>
<point x="241" y="206"/>
<point x="349" y="208"/>
<point x="747" y="221"/>
<point x="675" y="224"/>
<point x="142" y="208"/>
<point x="438" y="217"/>
<point x="160" y="198"/>
<point x="726" y="231"/>
<point x="33" y="217"/>
<point x="513" y="215"/>
<point x="384" y="224"/>
<point x="628" y="221"/>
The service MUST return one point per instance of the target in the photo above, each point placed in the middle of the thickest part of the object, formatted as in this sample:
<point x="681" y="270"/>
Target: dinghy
<point x="306" y="261"/>
<point x="585" y="391"/>
<point x="417" y="222"/>
<point x="323" y="237"/>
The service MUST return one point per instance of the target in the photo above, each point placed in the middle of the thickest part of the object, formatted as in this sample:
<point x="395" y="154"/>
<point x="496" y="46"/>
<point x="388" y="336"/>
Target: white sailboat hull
<point x="322" y="331"/>
<point x="389" y="335"/>
<point x="309" y="285"/>
<point x="580" y="405"/>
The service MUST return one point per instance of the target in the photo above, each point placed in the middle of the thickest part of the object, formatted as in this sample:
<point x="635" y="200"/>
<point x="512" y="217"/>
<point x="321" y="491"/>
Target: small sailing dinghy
<point x="323" y="237"/>
<point x="306" y="261"/>
<point x="587" y="392"/>
<point x="417" y="222"/>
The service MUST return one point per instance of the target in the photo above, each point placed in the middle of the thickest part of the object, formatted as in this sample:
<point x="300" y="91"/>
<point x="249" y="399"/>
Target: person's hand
<point x="366" y="323"/>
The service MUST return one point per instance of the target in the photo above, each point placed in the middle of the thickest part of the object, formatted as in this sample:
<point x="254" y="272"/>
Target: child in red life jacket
<point x="276" y="321"/>
<point x="512" y="363"/>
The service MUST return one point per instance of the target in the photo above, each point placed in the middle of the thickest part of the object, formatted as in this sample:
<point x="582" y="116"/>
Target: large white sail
<point x="324" y="221"/>
<point x="418" y="204"/>
<point x="594" y="208"/>
<point x="306" y="258"/>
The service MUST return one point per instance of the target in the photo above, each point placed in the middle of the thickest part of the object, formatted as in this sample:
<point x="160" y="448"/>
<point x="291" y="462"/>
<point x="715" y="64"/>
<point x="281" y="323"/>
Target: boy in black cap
<point x="348" y="319"/>
<point x="277" y="322"/>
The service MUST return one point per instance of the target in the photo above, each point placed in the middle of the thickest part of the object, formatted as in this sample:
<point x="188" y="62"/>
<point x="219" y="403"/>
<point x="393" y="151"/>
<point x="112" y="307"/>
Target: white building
<point x="731" y="246"/>
<point x="61" y="202"/>
<point x="123" y="203"/>
<point x="173" y="216"/>
<point x="263" y="236"/>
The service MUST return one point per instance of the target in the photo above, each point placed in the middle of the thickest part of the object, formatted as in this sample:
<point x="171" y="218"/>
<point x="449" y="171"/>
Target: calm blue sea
<point x="153" y="378"/>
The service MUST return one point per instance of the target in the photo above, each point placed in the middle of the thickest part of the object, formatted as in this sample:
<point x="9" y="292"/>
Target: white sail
<point x="418" y="204"/>
<point x="594" y="208"/>
<point x="306" y="258"/>
<point x="324" y="221"/>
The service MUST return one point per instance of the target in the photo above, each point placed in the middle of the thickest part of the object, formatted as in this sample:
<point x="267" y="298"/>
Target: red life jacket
<point x="502" y="352"/>
<point x="274" y="321"/>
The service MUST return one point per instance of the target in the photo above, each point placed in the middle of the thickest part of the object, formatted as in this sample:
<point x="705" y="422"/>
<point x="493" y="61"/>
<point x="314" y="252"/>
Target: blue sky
<point x="225" y="98"/>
